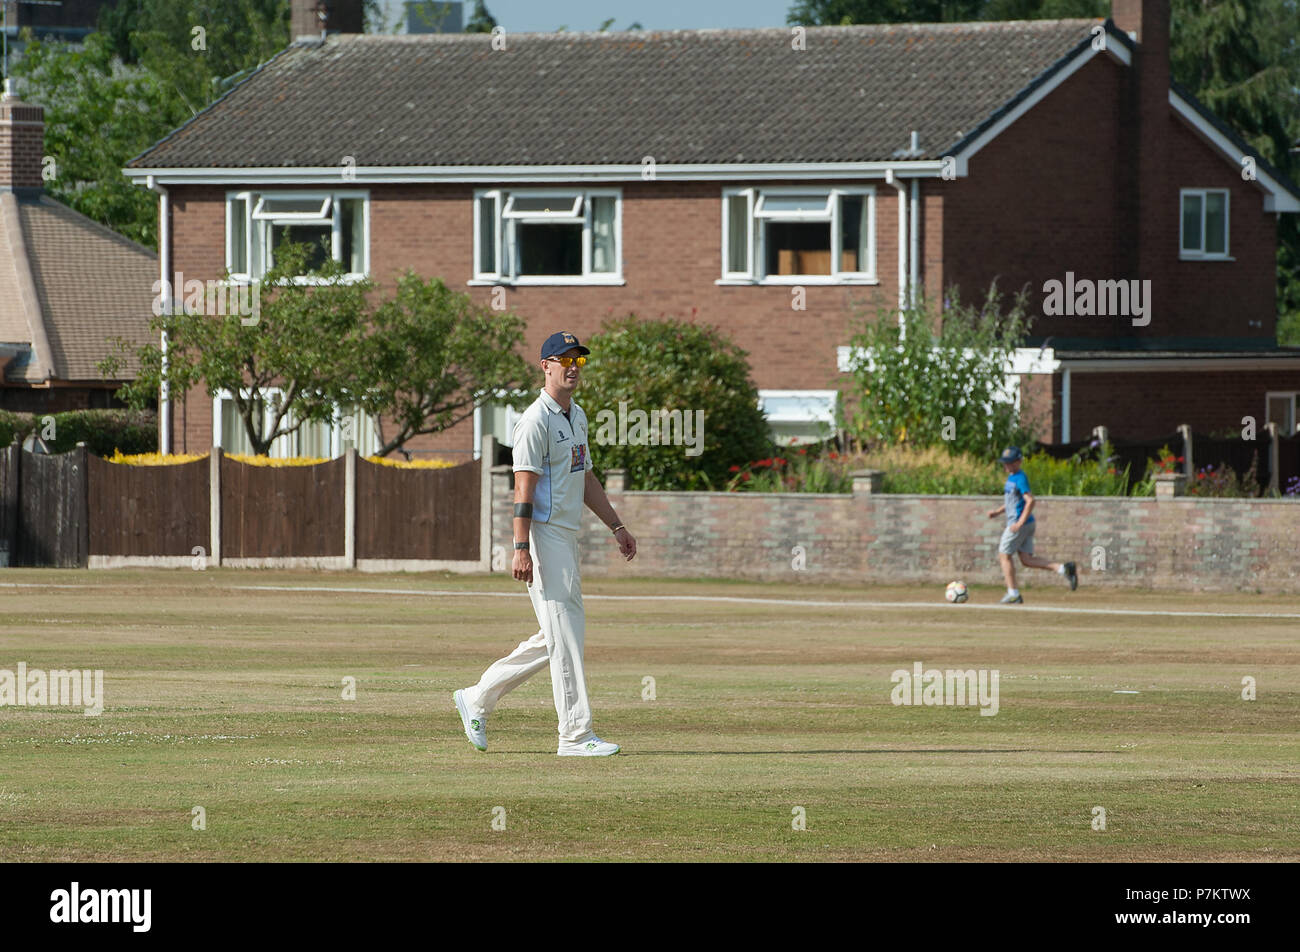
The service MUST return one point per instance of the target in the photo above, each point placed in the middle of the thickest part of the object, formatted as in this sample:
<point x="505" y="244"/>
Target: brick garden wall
<point x="1183" y="543"/>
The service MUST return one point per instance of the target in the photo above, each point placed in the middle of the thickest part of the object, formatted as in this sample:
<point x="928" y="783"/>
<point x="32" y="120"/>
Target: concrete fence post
<point x="868" y="482"/>
<point x="615" y="480"/>
<point x="501" y="477"/>
<point x="214" y="505"/>
<point x="1271" y="426"/>
<point x="350" y="508"/>
<point x="1188" y="467"/>
<point x="487" y="456"/>
<point x="1170" y="485"/>
<point x="1101" y="434"/>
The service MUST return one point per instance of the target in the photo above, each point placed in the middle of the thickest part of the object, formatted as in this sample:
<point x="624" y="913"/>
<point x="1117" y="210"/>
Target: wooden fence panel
<point x="418" y="513"/>
<point x="149" y="510"/>
<point x="53" y="519"/>
<point x="282" y="511"/>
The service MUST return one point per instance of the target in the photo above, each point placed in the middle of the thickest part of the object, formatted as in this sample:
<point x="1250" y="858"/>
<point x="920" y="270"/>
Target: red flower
<point x="763" y="462"/>
<point x="733" y="469"/>
<point x="835" y="455"/>
<point x="1200" y="475"/>
<point x="803" y="452"/>
<point x="1180" y="459"/>
<point x="744" y="478"/>
<point x="779" y="461"/>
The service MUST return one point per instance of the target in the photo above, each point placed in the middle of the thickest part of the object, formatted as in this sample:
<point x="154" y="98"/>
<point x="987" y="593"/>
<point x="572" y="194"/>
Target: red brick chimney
<point x="309" y="18"/>
<point x="22" y="142"/>
<point x="1152" y="197"/>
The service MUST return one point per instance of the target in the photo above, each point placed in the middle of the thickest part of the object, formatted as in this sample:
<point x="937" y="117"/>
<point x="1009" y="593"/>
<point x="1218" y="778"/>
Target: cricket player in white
<point x="553" y="479"/>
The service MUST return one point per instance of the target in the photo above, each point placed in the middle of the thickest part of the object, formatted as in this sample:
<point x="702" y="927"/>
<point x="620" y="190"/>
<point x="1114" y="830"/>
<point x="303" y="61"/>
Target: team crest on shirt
<point x="578" y="452"/>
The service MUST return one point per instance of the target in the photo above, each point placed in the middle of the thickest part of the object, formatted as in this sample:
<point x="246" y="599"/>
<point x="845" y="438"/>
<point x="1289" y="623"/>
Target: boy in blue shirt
<point x="1019" y="533"/>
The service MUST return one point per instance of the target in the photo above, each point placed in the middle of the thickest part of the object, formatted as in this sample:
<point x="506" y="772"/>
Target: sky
<point x="544" y="16"/>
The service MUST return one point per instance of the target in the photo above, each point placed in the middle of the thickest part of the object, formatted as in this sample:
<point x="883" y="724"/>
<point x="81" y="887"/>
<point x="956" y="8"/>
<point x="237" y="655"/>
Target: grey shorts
<point x="1022" y="541"/>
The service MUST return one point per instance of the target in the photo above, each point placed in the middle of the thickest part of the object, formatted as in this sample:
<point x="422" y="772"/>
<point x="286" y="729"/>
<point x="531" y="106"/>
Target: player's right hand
<point x="523" y="566"/>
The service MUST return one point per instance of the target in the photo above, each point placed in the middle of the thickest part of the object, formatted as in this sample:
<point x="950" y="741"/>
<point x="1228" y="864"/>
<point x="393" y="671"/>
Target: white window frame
<point x="1202" y="255"/>
<point x="1294" y="396"/>
<point x="507" y="249"/>
<point x="758" y="216"/>
<point x="281" y="446"/>
<point x="257" y="249"/>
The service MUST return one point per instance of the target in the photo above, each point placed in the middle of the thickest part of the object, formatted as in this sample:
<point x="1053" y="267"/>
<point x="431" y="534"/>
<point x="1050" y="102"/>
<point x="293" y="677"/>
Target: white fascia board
<point x="1180" y="364"/>
<point x="1026" y="360"/>
<point x="1117" y="51"/>
<point x="1276" y="198"/>
<point x="504" y="174"/>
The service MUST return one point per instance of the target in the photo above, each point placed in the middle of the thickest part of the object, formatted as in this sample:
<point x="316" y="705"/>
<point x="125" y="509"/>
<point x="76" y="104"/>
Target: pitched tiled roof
<point x="89" y="284"/>
<point x="692" y="97"/>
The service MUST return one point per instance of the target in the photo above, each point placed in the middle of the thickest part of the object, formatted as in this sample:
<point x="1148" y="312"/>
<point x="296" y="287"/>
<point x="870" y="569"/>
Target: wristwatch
<point x="521" y="545"/>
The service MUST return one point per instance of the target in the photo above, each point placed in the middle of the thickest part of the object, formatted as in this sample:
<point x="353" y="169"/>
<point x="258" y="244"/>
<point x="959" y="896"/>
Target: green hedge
<point x="103" y="431"/>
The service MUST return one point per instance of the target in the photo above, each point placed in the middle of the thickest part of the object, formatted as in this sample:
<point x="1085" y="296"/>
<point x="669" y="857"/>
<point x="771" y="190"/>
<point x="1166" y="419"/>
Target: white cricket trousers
<point x="556" y="591"/>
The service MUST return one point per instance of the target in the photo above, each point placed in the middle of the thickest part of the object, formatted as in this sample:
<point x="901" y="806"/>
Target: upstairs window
<point x="1204" y="225"/>
<point x="334" y="224"/>
<point x="796" y="235"/>
<point x="548" y="236"/>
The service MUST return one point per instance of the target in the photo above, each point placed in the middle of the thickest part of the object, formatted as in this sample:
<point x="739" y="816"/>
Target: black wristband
<point x="523" y="510"/>
<point x="521" y="545"/>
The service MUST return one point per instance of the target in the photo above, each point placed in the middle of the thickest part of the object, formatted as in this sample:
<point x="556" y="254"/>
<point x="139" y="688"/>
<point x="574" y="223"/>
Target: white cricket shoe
<point x="475" y="727"/>
<point x="593" y="746"/>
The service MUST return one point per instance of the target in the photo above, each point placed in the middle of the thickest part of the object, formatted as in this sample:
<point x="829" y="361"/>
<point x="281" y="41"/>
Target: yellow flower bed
<point x="171" y="459"/>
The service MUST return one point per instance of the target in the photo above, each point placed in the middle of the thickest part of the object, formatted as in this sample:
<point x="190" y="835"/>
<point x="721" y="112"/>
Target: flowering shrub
<point x="173" y="459"/>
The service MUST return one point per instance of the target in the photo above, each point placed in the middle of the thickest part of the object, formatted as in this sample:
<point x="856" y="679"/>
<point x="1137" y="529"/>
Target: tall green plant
<point x="919" y="386"/>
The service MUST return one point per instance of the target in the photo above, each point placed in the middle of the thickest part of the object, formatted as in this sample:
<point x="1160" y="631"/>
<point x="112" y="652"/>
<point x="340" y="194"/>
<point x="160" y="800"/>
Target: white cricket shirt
<point x="555" y="448"/>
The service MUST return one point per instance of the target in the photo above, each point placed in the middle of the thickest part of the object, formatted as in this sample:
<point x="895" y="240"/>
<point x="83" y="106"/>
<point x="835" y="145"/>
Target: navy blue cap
<point x="1010" y="455"/>
<point x="560" y="343"/>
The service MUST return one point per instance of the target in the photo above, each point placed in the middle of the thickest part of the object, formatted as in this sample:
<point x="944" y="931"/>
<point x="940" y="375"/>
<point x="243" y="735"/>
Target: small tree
<point x="304" y="341"/>
<point x="916" y="386"/>
<point x="697" y="376"/>
<point x="424" y="358"/>
<point x="432" y="356"/>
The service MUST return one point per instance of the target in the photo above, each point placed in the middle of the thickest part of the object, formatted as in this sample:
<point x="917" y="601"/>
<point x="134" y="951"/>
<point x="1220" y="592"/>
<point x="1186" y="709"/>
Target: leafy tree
<point x="480" y="21"/>
<point x="845" y="12"/>
<point x="431" y="355"/>
<point x="304" y="341"/>
<point x="425" y="357"/>
<point x="919" y="387"/>
<point x="670" y="365"/>
<point x="144" y="73"/>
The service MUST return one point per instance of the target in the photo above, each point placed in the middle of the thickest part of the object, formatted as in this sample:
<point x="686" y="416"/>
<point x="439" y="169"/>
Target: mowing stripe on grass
<point x="797" y="602"/>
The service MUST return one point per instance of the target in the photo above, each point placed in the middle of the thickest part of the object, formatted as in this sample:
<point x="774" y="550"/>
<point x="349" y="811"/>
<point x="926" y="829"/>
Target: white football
<point x="956" y="592"/>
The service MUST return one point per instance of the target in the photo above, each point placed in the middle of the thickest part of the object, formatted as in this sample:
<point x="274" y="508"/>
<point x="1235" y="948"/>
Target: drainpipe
<point x="916" y="241"/>
<point x="892" y="179"/>
<point x="1065" y="405"/>
<point x="164" y="264"/>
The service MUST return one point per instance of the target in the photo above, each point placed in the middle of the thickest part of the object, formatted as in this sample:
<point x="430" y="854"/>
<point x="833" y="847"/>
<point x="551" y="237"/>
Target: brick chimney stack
<point x="1152" y="196"/>
<point x="309" y="18"/>
<point x="22" y="142"/>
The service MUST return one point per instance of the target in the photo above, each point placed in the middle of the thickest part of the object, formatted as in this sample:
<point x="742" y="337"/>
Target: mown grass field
<point x="226" y="696"/>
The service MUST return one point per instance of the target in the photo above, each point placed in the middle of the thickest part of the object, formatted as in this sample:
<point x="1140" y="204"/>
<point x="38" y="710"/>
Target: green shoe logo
<point x="591" y="745"/>
<point x="474" y="725"/>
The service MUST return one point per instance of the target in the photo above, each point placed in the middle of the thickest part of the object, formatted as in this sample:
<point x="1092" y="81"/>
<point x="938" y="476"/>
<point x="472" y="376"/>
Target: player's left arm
<point x="596" y="500"/>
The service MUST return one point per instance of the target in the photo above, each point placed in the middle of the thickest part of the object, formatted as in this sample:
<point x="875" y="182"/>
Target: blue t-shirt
<point x="1014" y="494"/>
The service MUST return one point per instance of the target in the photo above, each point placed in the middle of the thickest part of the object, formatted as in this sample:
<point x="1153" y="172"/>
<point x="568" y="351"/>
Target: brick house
<point x="729" y="176"/>
<point x="67" y="284"/>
